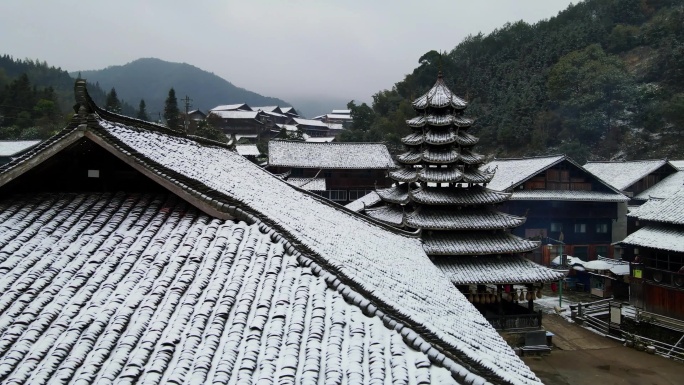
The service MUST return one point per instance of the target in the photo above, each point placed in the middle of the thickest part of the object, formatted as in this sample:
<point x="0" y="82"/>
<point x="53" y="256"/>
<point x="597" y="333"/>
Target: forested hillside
<point x="150" y="79"/>
<point x="602" y="80"/>
<point x="36" y="99"/>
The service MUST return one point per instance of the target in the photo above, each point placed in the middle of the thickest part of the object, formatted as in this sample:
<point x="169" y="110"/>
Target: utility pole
<point x="187" y="101"/>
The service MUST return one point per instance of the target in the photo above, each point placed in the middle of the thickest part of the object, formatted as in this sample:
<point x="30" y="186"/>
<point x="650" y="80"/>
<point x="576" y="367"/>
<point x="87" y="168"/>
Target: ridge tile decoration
<point x="146" y="288"/>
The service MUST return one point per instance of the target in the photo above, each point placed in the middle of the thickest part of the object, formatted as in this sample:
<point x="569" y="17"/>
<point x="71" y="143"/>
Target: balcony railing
<point x="516" y="321"/>
<point x="664" y="277"/>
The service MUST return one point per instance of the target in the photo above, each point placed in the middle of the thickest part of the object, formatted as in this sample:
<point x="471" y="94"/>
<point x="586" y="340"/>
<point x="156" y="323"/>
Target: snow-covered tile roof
<point x="345" y="112"/>
<point x="665" y="188"/>
<point x="309" y="184"/>
<point x="339" y="116"/>
<point x="379" y="262"/>
<point x="679" y="164"/>
<point x="247" y="149"/>
<point x="382" y="270"/>
<point x="474" y="195"/>
<point x="335" y="126"/>
<point x="144" y="288"/>
<point x="475" y="243"/>
<point x="367" y="200"/>
<point x="236" y="114"/>
<point x="622" y="175"/>
<point x="232" y="107"/>
<point x="477" y="218"/>
<point x="390" y="214"/>
<point x="394" y="194"/>
<point x="288" y="127"/>
<point x="512" y="172"/>
<point x="439" y="96"/>
<point x="320" y="139"/>
<point x="310" y="122"/>
<point x="661" y="237"/>
<point x="494" y="270"/>
<point x="567" y="195"/>
<point x="275" y="109"/>
<point x="329" y="155"/>
<point x="667" y="210"/>
<point x="12" y="147"/>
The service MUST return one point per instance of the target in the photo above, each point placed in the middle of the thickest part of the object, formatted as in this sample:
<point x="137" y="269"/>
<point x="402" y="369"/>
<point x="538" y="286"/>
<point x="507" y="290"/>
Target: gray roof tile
<point x="622" y="175"/>
<point x="567" y="195"/>
<point x="665" y="188"/>
<point x="145" y="288"/>
<point x="494" y="270"/>
<point x="475" y="243"/>
<point x="367" y="200"/>
<point x="658" y="236"/>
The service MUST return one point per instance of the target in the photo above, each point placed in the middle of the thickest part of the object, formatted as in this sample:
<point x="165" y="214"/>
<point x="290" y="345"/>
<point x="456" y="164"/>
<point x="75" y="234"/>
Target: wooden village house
<point x="558" y="196"/>
<point x="440" y="191"/>
<point x="341" y="172"/>
<point x="632" y="177"/>
<point x="130" y="252"/>
<point x="656" y="250"/>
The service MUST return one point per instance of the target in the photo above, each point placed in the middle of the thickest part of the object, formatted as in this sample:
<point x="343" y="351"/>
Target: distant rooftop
<point x="283" y="153"/>
<point x="512" y="172"/>
<point x="12" y="147"/>
<point x="623" y="174"/>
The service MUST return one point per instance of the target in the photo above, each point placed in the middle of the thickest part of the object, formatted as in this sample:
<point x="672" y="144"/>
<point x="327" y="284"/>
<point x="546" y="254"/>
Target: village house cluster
<point x="131" y="252"/>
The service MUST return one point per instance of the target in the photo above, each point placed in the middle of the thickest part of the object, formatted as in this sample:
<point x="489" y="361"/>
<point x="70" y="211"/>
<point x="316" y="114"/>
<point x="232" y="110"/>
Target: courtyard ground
<point x="580" y="356"/>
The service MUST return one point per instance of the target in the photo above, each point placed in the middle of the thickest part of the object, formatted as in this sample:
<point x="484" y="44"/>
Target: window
<point x="601" y="228"/>
<point x="580" y="228"/>
<point x="581" y="252"/>
<point x="556" y="227"/>
<point x="602" y="251"/>
<point x="337" y="195"/>
<point x="356" y="194"/>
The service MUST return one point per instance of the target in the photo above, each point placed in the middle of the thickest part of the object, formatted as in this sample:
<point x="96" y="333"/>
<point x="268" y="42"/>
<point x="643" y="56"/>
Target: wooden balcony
<point x="527" y="321"/>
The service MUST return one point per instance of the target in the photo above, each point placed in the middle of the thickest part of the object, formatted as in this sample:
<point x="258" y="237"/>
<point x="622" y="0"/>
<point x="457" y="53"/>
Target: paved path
<point x="583" y="357"/>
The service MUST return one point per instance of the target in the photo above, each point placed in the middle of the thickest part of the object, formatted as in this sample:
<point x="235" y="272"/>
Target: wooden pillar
<point x="530" y="302"/>
<point x="499" y="291"/>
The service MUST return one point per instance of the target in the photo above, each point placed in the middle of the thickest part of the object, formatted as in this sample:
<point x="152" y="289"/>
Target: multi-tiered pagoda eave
<point x="441" y="189"/>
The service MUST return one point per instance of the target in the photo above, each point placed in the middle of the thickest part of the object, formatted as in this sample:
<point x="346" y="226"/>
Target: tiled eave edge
<point x="463" y="374"/>
<point x="417" y="336"/>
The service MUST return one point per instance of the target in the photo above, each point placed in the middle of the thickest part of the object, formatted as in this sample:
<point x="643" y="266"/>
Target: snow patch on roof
<point x="378" y="261"/>
<point x="285" y="153"/>
<point x="512" y="172"/>
<point x="622" y="175"/>
<point x="12" y="147"/>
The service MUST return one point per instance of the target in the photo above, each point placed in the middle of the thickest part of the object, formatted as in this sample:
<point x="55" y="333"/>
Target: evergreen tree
<point x="113" y="103"/>
<point x="206" y="130"/>
<point x="142" y="111"/>
<point x="171" y="111"/>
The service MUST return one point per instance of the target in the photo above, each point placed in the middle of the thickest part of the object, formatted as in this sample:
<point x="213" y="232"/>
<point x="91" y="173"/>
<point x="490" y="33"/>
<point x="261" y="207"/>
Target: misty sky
<point x="299" y="48"/>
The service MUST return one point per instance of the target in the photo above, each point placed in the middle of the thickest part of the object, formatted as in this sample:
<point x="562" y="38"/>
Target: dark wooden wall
<point x="663" y="300"/>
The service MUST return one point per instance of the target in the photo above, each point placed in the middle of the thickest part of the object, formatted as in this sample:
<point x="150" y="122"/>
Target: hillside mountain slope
<point x="37" y="99"/>
<point x="602" y="80"/>
<point x="150" y="79"/>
